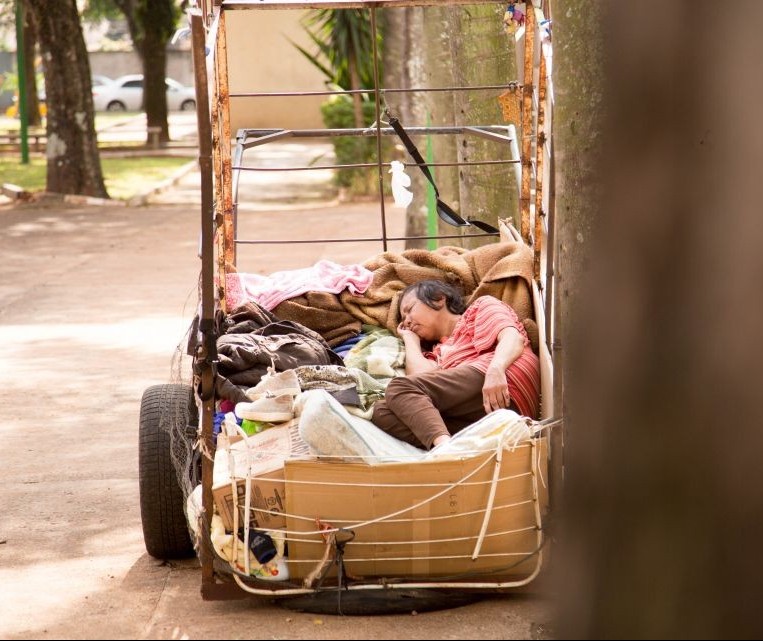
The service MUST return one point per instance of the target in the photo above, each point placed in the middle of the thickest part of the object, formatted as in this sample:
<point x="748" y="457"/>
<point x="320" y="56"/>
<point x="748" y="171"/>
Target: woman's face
<point x="421" y="319"/>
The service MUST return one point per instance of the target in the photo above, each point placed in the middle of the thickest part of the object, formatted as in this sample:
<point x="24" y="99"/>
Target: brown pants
<point x="419" y="408"/>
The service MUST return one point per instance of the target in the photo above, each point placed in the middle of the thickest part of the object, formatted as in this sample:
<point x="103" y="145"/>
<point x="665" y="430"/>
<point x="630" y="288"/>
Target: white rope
<point x="234" y="495"/>
<point x="448" y="517"/>
<point x="535" y="458"/>
<point x="357" y="543"/>
<point x="407" y="485"/>
<point x="447" y="489"/>
<point x="490" y="499"/>
<point x="538" y="518"/>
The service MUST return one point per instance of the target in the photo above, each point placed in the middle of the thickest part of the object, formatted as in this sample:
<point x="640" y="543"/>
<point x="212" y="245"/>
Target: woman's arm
<point x="495" y="391"/>
<point x="415" y="361"/>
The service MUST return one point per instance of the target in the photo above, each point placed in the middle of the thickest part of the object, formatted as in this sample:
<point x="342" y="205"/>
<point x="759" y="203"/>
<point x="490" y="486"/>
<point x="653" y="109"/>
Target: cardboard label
<point x="265" y="454"/>
<point x="268" y="493"/>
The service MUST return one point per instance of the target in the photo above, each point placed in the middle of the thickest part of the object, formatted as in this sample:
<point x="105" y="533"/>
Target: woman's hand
<point x="415" y="361"/>
<point x="410" y="338"/>
<point x="495" y="391"/>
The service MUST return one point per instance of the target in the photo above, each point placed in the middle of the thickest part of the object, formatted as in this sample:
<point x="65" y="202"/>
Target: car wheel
<point x="165" y="413"/>
<point x="188" y="105"/>
<point x="116" y="105"/>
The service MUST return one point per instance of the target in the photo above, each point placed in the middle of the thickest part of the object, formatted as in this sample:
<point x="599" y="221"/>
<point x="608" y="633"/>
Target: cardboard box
<point x="421" y="519"/>
<point x="268" y="493"/>
<point x="266" y="454"/>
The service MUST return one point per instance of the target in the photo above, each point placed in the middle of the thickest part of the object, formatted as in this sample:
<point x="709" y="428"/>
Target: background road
<point x="93" y="302"/>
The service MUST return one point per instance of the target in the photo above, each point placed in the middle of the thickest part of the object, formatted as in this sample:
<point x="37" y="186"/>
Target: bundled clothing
<point x="255" y="340"/>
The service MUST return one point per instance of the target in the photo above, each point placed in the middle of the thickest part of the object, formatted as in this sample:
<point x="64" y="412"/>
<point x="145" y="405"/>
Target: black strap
<point x="452" y="217"/>
<point x="415" y="154"/>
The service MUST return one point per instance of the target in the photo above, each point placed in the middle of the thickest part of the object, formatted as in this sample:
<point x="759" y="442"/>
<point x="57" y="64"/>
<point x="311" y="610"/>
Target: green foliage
<point x="344" y="41"/>
<point x="99" y="9"/>
<point x="338" y="114"/>
<point x="10" y="81"/>
<point x="159" y="16"/>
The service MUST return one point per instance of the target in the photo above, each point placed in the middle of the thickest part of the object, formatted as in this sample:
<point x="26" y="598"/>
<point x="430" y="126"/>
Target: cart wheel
<point x="371" y="602"/>
<point x="163" y="408"/>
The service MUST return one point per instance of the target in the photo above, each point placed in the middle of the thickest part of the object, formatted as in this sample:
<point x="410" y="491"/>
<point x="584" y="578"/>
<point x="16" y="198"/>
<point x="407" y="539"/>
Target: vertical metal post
<point x="21" y="75"/>
<point x="539" y="151"/>
<point x="206" y="316"/>
<point x="227" y="253"/>
<point x="378" y="129"/>
<point x="527" y="123"/>
<point x="431" y="198"/>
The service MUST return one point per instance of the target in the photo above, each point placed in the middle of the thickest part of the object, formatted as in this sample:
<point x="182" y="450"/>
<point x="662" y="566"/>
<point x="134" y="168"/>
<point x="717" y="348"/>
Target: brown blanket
<point x="503" y="270"/>
<point x="322" y="312"/>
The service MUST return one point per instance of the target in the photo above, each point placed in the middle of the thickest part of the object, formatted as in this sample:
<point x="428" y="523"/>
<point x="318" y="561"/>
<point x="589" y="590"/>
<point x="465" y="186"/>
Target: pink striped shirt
<point x="473" y="343"/>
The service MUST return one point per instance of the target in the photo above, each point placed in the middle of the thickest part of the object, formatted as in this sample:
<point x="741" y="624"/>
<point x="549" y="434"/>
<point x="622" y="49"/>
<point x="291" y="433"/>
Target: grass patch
<point x="127" y="177"/>
<point x="103" y="120"/>
<point x="124" y="177"/>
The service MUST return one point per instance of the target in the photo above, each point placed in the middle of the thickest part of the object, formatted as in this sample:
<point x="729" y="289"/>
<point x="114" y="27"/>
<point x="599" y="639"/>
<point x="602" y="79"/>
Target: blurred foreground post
<point x="664" y="496"/>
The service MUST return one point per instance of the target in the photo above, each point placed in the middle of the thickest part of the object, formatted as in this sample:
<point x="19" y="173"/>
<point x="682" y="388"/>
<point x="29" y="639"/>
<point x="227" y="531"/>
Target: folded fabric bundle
<point x="269" y="291"/>
<point x="322" y="312"/>
<point x="330" y="430"/>
<point x="379" y="353"/>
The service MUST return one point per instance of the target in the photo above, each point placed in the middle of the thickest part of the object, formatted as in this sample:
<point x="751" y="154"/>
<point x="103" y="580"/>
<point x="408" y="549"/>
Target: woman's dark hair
<point x="433" y="292"/>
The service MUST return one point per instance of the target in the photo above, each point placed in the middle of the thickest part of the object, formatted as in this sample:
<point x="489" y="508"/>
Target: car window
<point x="133" y="84"/>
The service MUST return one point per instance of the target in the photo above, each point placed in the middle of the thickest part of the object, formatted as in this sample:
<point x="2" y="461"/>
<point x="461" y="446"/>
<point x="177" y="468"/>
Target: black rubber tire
<point x="188" y="105"/>
<point x="165" y="529"/>
<point x="376" y="602"/>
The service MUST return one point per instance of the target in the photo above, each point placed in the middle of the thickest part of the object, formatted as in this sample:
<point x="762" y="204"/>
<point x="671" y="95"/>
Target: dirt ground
<point x="93" y="302"/>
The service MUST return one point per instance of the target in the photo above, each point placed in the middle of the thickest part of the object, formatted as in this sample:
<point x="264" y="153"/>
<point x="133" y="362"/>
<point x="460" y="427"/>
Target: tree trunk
<point x="438" y="72"/>
<point x="403" y="52"/>
<point x="30" y="76"/>
<point x="151" y="26"/>
<point x="74" y="166"/>
<point x="154" y="58"/>
<point x="441" y="47"/>
<point x="481" y="55"/>
<point x="664" y="415"/>
<point x="578" y="123"/>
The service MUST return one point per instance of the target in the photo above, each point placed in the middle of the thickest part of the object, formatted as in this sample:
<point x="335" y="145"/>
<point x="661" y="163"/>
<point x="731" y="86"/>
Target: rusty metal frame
<point x="527" y="128"/>
<point x="219" y="182"/>
<point x="540" y="140"/>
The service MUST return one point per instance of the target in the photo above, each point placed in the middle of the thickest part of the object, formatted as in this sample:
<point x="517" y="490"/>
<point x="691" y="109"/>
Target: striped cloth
<point x="473" y="342"/>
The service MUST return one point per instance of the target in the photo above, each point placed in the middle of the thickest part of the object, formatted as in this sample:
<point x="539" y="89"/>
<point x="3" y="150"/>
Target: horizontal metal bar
<point x="366" y="165"/>
<point x="348" y="92"/>
<point x="371" y="131"/>
<point x="339" y="4"/>
<point x="290" y="241"/>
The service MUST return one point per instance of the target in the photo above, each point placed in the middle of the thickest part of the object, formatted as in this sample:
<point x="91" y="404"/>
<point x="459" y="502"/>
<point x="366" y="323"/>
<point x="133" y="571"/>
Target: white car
<point x="126" y="94"/>
<point x="98" y="80"/>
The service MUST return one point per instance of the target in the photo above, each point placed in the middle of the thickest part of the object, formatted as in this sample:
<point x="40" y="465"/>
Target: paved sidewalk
<point x="94" y="301"/>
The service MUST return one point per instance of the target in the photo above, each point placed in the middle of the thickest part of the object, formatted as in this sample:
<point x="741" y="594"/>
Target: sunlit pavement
<point x="131" y="128"/>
